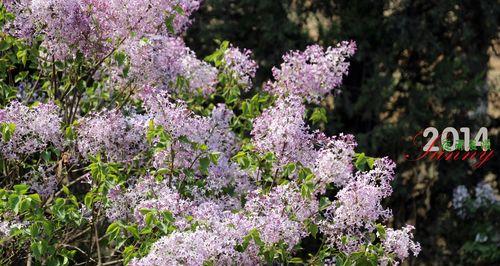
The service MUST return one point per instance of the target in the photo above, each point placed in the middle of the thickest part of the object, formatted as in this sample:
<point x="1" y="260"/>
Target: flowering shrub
<point x="120" y="146"/>
<point x="477" y="214"/>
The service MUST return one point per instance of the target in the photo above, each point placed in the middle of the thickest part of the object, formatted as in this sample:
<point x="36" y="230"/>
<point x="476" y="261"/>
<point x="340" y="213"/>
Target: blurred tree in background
<point x="419" y="63"/>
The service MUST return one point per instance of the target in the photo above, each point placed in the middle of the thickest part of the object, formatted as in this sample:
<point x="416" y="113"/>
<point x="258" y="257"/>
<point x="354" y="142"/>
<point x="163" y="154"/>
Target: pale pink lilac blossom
<point x="240" y="66"/>
<point x="280" y="214"/>
<point x="95" y="27"/>
<point x="460" y="196"/>
<point x="117" y="137"/>
<point x="484" y="196"/>
<point x="400" y="243"/>
<point x="7" y="226"/>
<point x="313" y="73"/>
<point x="358" y="207"/>
<point x="213" y="132"/>
<point x="334" y="162"/>
<point x="219" y="230"/>
<point x="147" y="193"/>
<point x="281" y="129"/>
<point x="43" y="180"/>
<point x="161" y="61"/>
<point x="36" y="129"/>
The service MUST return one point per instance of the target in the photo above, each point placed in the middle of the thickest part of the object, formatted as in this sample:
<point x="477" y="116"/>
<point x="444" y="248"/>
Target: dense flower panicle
<point x="334" y="162"/>
<point x="400" y="243"/>
<point x="154" y="60"/>
<point x="164" y="199"/>
<point x="36" y="128"/>
<point x="219" y="229"/>
<point x="485" y="195"/>
<point x="173" y="116"/>
<point x="122" y="203"/>
<point x="43" y="180"/>
<point x="220" y="138"/>
<point x="147" y="193"/>
<point x="358" y="207"/>
<point x="213" y="131"/>
<point x="118" y="208"/>
<point x="160" y="61"/>
<point x="240" y="65"/>
<point x="460" y="196"/>
<point x="312" y="73"/>
<point x="282" y="130"/>
<point x="279" y="215"/>
<point x="381" y="175"/>
<point x="283" y="199"/>
<point x="184" y="248"/>
<point x="217" y="233"/>
<point x="94" y="27"/>
<point x="7" y="226"/>
<point x="215" y="242"/>
<point x="199" y="74"/>
<point x="227" y="174"/>
<point x="4" y="229"/>
<point x="64" y="25"/>
<point x="355" y="211"/>
<point x="21" y="27"/>
<point x="118" y="137"/>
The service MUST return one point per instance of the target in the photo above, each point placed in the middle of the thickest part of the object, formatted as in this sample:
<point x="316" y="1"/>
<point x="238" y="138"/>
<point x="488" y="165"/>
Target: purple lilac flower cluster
<point x="120" y="138"/>
<point x="483" y="196"/>
<point x="240" y="65"/>
<point x="93" y="27"/>
<point x="358" y="207"/>
<point x="282" y="130"/>
<point x="278" y="215"/>
<point x="312" y="73"/>
<point x="36" y="128"/>
<point x="400" y="242"/>
<point x="160" y="60"/>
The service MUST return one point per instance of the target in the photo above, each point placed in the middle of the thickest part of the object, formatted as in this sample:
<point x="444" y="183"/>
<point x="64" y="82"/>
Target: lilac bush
<point x="128" y="149"/>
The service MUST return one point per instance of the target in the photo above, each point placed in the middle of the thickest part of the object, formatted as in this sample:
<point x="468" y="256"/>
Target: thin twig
<point x="112" y="262"/>
<point x="96" y="234"/>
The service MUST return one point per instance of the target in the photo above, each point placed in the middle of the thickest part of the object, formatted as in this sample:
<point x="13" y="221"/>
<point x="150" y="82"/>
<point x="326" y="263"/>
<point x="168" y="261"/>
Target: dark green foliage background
<point x="419" y="63"/>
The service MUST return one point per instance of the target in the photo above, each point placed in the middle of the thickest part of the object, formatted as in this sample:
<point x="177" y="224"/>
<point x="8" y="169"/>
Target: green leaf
<point x="204" y="164"/>
<point x="22" y="55"/>
<point x="318" y="115"/>
<point x="4" y="45"/>
<point x="169" y="23"/>
<point x="7" y="130"/>
<point x="21" y="189"/>
<point x="65" y="190"/>
<point x="360" y="161"/>
<point x="296" y="260"/>
<point x="21" y="76"/>
<point x="324" y="203"/>
<point x="214" y="157"/>
<point x="371" y="162"/>
<point x="120" y="58"/>
<point x="313" y="229"/>
<point x="381" y="231"/>
<point x="133" y="230"/>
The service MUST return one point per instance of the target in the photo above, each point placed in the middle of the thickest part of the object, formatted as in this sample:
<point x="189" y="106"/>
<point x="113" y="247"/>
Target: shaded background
<point x="419" y="63"/>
